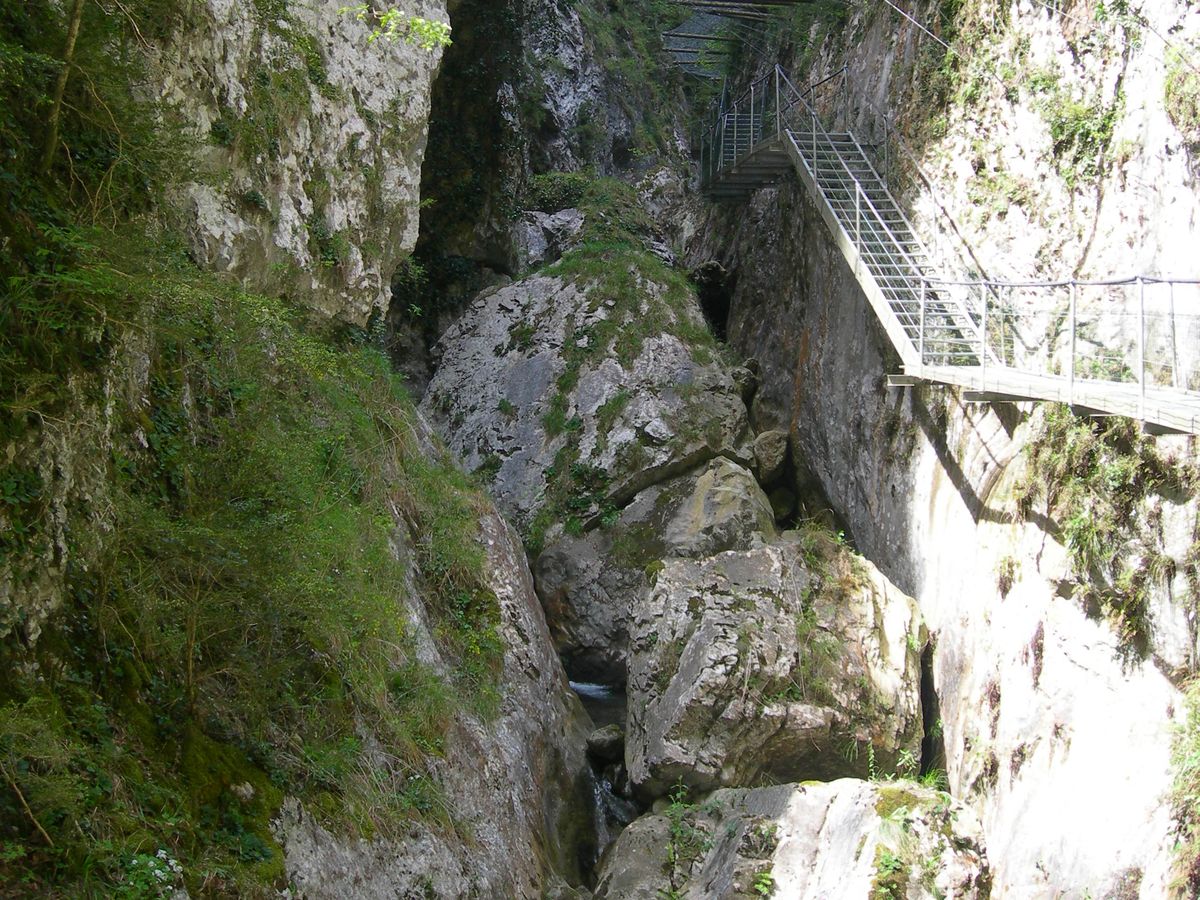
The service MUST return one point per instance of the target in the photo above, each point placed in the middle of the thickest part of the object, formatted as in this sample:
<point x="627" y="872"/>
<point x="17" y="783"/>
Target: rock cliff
<point x="937" y="491"/>
<point x="311" y="143"/>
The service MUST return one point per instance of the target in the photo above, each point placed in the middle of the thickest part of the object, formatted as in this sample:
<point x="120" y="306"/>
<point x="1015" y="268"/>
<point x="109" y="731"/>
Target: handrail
<point x="859" y="192"/>
<point x="1077" y="282"/>
<point x="911" y="155"/>
<point x="965" y="310"/>
<point x="960" y="328"/>
<point x="816" y="84"/>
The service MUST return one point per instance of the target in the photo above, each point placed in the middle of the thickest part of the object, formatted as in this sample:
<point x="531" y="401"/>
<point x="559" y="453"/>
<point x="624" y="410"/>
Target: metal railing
<point x="1124" y="342"/>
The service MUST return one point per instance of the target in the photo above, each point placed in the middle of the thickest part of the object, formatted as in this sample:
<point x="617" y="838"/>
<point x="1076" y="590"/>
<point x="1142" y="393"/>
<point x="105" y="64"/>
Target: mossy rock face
<point x="588" y="582"/>
<point x="589" y="383"/>
<point x="769" y="663"/>
<point x="816" y="839"/>
<point x="237" y="797"/>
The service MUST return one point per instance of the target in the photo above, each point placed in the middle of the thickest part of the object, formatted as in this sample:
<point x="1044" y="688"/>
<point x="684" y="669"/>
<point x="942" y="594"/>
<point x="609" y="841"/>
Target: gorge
<point x="417" y="483"/>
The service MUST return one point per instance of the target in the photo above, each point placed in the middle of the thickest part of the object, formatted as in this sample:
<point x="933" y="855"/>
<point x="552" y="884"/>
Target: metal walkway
<point x="1061" y="341"/>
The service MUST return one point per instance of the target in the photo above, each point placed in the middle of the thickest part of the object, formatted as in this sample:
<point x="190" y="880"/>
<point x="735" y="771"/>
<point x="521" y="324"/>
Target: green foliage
<point x="764" y="883"/>
<point x="21" y="508"/>
<point x="557" y="190"/>
<point x="118" y="154"/>
<point x="1081" y="131"/>
<point x="1181" y="93"/>
<point x="891" y="875"/>
<point x="1094" y="477"/>
<point x="117" y="150"/>
<point x="394" y="24"/>
<point x="246" y="617"/>
<point x="997" y="190"/>
<point x="687" y="839"/>
<point x="469" y="165"/>
<point x="1185" y="794"/>
<point x="627" y="40"/>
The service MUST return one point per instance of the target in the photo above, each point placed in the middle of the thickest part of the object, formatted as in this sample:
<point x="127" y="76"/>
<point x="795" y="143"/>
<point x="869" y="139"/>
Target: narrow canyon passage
<point x="575" y="449"/>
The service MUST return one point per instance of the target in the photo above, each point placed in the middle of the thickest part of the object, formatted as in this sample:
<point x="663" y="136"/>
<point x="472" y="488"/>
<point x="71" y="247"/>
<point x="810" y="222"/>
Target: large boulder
<point x="589" y="583"/>
<point x="846" y="839"/>
<point x="792" y="661"/>
<point x="573" y="392"/>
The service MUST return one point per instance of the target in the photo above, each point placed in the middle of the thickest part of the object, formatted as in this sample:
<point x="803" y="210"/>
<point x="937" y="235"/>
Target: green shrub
<point x="246" y="616"/>
<point x="1093" y="479"/>
<point x="1185" y="793"/>
<point x="1182" y="93"/>
<point x="556" y="190"/>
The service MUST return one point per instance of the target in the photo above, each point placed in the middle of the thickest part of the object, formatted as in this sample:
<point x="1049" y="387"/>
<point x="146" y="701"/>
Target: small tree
<point x="60" y="87"/>
<point x="394" y="24"/>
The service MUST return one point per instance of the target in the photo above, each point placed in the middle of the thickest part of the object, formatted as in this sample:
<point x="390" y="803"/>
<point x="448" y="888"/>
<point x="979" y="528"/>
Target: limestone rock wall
<point x="311" y="144"/>
<point x="1046" y="715"/>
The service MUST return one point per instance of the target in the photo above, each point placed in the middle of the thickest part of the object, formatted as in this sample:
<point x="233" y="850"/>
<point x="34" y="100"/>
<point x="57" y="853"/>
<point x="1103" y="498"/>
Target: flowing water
<point x="605" y="703"/>
<point x="611" y="811"/>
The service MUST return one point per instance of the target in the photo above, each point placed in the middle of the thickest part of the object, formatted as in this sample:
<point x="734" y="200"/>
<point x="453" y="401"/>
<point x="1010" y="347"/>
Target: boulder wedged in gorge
<point x="796" y="660"/>
<point x="589" y="583"/>
<point x="843" y="839"/>
<point x="552" y="379"/>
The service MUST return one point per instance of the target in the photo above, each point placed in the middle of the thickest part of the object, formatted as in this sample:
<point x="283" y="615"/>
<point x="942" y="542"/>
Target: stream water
<point x="612" y="807"/>
<point x="605" y="703"/>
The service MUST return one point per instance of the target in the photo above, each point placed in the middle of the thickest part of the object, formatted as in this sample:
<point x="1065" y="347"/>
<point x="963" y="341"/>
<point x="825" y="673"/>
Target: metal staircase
<point x="946" y="330"/>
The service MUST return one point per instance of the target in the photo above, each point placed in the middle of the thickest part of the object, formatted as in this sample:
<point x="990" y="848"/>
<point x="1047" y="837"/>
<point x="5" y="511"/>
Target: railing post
<point x="814" y="135"/>
<point x="751" y="142"/>
<point x="1174" y="344"/>
<point x="778" y="106"/>
<point x="921" y="330"/>
<point x="1071" y="333"/>
<point x="887" y="157"/>
<point x="735" y="133"/>
<point x="1141" y="348"/>
<point x="983" y="340"/>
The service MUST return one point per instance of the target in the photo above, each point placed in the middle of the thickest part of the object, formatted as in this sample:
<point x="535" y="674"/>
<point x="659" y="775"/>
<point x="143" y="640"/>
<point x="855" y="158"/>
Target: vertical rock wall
<point x="311" y="147"/>
<point x="1055" y="733"/>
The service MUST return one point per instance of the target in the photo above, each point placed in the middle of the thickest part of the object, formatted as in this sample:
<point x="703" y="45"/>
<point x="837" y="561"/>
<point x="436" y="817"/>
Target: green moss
<point x="243" y="619"/>
<point x="638" y="546"/>
<point x="1185" y="794"/>
<point x="1093" y="478"/>
<point x="894" y="797"/>
<point x="891" y="875"/>
<point x="1181" y="93"/>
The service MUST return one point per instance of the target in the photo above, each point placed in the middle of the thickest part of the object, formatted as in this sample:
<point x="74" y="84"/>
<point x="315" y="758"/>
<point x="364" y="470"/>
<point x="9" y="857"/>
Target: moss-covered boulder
<point x="794" y="660"/>
<point x="573" y="390"/>
<point x="813" y="841"/>
<point x="589" y="583"/>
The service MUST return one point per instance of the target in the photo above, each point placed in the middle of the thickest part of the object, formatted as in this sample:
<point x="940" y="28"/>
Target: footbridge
<point x="1119" y="346"/>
